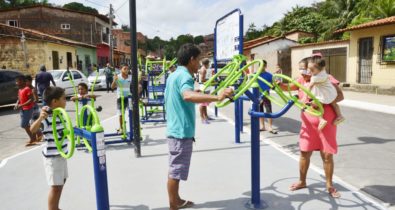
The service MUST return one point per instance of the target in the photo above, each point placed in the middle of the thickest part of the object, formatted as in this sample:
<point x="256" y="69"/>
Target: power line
<point x="122" y="5"/>
<point x="116" y="15"/>
<point x="92" y="2"/>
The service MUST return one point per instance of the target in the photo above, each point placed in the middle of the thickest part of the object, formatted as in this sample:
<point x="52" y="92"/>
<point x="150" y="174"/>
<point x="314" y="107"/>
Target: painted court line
<point x="4" y="162"/>
<point x="320" y="171"/>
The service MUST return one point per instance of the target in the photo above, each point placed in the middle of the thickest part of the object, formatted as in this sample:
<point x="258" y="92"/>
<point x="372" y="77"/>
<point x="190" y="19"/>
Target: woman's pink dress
<point x="312" y="139"/>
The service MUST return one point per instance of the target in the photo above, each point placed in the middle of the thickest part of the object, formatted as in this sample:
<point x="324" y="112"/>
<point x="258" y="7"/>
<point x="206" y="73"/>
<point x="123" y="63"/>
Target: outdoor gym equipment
<point x="228" y="42"/>
<point x="126" y="137"/>
<point x="154" y="104"/>
<point x="86" y="122"/>
<point x="284" y="100"/>
<point x="95" y="138"/>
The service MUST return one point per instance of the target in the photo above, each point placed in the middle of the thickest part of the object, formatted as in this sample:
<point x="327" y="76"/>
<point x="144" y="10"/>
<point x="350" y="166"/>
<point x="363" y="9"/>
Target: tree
<point x="5" y="4"/>
<point x="252" y="32"/>
<point x="125" y="28"/>
<point x="383" y="8"/>
<point x="80" y="7"/>
<point x="198" y="39"/>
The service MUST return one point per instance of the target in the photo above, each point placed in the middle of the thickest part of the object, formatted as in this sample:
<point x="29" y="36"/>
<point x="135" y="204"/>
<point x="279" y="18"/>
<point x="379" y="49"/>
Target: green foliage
<point x="198" y="39"/>
<point x="6" y="4"/>
<point x="169" y="48"/>
<point x="383" y="8"/>
<point x="325" y="17"/>
<point x="306" y="40"/>
<point x="80" y="7"/>
<point x="252" y="32"/>
<point x="125" y="28"/>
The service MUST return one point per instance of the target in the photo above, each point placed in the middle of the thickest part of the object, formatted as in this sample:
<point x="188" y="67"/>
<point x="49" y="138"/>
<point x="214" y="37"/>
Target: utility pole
<point x="110" y="35"/>
<point x="134" y="84"/>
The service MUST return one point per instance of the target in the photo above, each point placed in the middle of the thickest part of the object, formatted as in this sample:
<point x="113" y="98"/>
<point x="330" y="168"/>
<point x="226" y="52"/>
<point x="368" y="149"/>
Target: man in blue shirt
<point x="180" y="100"/>
<point x="43" y="80"/>
<point x="265" y="102"/>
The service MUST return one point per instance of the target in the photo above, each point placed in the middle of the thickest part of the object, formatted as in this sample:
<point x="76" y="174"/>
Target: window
<point x="65" y="26"/>
<point x="388" y="49"/>
<point x="76" y="75"/>
<point x="13" y="23"/>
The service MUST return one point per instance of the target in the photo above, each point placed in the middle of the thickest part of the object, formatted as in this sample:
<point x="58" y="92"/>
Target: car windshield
<point x="56" y="74"/>
<point x="101" y="72"/>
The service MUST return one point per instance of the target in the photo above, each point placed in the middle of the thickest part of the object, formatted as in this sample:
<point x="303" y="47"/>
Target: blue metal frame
<point x="236" y="104"/>
<point x="129" y="134"/>
<point x="241" y="26"/>
<point x="99" y="166"/>
<point x="157" y="102"/>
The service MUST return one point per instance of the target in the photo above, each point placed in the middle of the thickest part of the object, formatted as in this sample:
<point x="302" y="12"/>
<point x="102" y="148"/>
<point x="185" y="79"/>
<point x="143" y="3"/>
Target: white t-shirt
<point x="323" y="89"/>
<point x="125" y="83"/>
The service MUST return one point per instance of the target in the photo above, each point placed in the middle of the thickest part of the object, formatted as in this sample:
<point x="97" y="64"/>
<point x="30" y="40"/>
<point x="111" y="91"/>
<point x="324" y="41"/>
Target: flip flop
<point x="273" y="132"/>
<point x="29" y="144"/>
<point x="186" y="204"/>
<point x="296" y="186"/>
<point x="333" y="192"/>
<point x="262" y="129"/>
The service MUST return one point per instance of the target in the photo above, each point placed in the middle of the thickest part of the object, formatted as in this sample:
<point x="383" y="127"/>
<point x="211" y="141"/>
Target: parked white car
<point x="62" y="79"/>
<point x="101" y="79"/>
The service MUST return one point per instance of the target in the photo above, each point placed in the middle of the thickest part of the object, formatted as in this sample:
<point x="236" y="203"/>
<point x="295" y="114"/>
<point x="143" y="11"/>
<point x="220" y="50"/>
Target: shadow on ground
<point x="314" y="197"/>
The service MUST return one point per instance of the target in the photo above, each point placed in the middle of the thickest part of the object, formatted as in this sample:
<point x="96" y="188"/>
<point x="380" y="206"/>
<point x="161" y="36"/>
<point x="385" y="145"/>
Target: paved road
<point x="366" y="156"/>
<point x="13" y="137"/>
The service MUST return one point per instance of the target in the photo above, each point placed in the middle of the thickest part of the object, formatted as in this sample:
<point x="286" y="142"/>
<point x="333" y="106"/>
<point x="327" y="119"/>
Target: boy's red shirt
<point x="24" y="95"/>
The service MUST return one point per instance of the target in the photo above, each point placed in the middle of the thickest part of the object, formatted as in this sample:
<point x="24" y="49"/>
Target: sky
<point x="171" y="18"/>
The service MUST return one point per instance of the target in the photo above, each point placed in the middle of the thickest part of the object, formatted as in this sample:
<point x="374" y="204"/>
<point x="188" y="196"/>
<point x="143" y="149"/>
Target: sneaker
<point x="205" y="122"/>
<point x="210" y="118"/>
<point x="339" y="120"/>
<point x="322" y="124"/>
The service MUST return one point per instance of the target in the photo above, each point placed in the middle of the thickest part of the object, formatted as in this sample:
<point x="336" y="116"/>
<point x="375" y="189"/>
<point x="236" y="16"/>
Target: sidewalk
<point x="219" y="177"/>
<point x="368" y="101"/>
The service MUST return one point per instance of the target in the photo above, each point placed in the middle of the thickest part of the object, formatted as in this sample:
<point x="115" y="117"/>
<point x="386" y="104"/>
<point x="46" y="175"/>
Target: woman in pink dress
<point x="312" y="139"/>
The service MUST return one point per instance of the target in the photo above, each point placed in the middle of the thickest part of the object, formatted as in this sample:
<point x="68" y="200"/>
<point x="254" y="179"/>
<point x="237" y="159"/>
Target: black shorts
<point x="265" y="102"/>
<point x="119" y="105"/>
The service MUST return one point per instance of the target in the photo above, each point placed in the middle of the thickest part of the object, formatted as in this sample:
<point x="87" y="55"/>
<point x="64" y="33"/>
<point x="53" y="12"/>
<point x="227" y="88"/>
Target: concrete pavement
<point x="364" y="164"/>
<point x="219" y="177"/>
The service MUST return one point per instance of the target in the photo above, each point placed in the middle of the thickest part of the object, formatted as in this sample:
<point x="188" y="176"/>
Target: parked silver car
<point x="101" y="79"/>
<point x="61" y="79"/>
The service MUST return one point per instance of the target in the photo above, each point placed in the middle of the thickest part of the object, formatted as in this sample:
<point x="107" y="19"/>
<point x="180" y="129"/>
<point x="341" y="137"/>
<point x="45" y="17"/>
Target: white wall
<point x="269" y="51"/>
<point x="298" y="53"/>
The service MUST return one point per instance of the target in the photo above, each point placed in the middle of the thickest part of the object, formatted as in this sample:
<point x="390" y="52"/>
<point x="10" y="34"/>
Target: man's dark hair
<point x="20" y="78"/>
<point x="42" y="68"/>
<point x="52" y="93"/>
<point x="84" y="85"/>
<point x="28" y="78"/>
<point x="264" y="62"/>
<point x="186" y="52"/>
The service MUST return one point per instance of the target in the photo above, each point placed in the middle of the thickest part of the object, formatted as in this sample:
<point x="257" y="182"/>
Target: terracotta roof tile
<point x="44" y="36"/>
<point x="265" y="41"/>
<point x="380" y="22"/>
<point x="321" y="43"/>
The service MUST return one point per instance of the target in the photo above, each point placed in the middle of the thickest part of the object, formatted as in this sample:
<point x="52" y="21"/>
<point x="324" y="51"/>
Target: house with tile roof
<point x="26" y="49"/>
<point x="371" y="58"/>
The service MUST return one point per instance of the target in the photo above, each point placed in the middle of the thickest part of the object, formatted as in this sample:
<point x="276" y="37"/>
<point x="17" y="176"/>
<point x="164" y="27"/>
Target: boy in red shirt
<point x="25" y="103"/>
